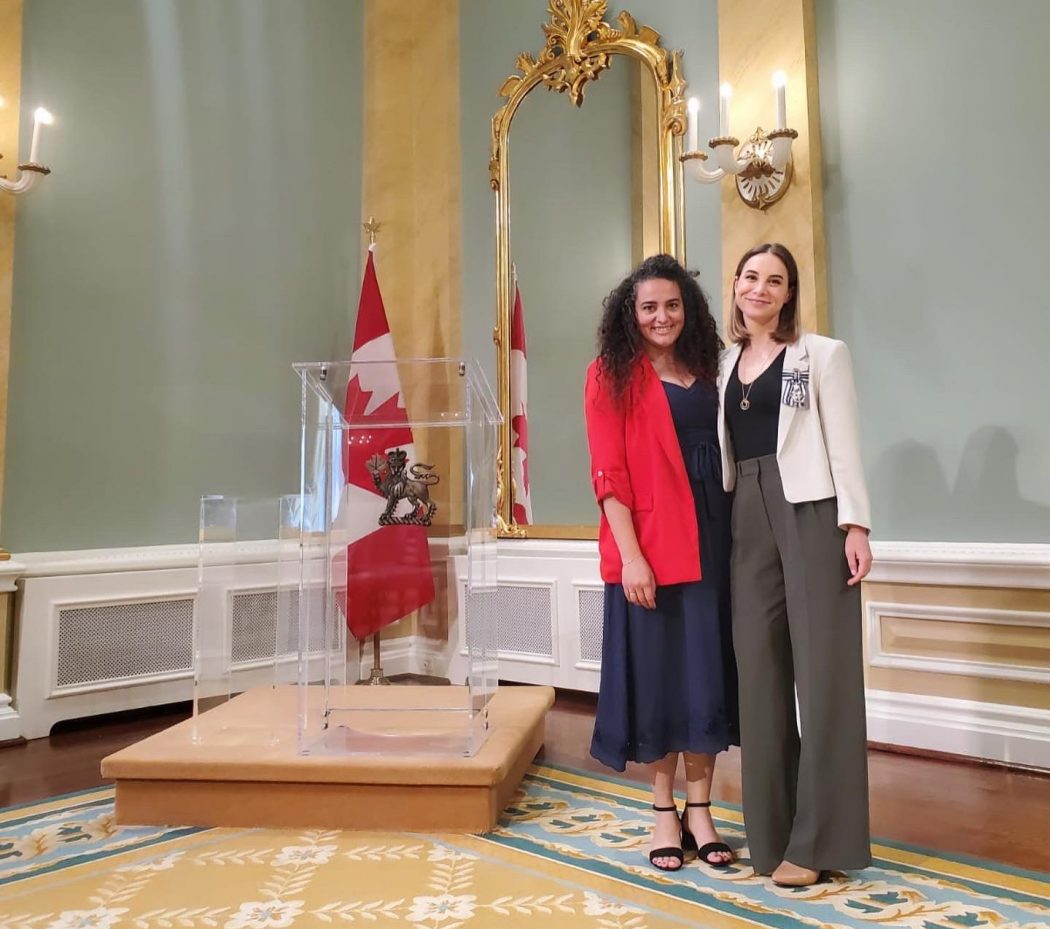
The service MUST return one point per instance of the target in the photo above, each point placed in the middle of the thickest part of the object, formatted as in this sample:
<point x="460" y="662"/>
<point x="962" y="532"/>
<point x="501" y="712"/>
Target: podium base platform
<point x="238" y="765"/>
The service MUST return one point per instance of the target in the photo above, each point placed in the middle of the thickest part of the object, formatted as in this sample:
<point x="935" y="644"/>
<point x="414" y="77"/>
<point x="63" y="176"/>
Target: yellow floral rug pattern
<point x="569" y="852"/>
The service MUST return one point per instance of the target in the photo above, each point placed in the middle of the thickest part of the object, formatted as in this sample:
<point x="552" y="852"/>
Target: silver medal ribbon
<point x="796" y="389"/>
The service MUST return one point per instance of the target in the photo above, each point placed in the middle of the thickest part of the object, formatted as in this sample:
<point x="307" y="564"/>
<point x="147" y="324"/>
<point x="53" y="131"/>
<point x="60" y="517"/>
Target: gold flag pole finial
<point x="372" y="228"/>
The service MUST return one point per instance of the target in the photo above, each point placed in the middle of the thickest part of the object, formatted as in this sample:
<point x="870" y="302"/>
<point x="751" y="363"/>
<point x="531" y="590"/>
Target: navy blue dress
<point x="668" y="681"/>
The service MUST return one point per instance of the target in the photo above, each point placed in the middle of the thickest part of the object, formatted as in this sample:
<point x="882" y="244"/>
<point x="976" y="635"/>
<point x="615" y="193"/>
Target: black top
<point x="753" y="432"/>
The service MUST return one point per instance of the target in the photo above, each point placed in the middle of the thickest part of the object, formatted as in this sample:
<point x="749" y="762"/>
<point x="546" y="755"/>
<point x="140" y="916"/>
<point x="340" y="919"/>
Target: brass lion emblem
<point x="396" y="481"/>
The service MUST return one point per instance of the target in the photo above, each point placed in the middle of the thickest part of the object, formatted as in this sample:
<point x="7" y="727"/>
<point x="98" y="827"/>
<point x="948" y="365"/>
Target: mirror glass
<point x="582" y="194"/>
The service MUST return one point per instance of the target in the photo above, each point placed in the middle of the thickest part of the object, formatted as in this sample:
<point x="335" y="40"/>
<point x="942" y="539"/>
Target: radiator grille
<point x="519" y="617"/>
<point x="591" y="611"/>
<point x="254" y="624"/>
<point x="124" y="640"/>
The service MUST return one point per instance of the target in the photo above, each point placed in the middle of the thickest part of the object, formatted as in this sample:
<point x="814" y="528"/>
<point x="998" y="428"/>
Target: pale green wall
<point x="935" y="125"/>
<point x="198" y="235"/>
<point x="570" y="218"/>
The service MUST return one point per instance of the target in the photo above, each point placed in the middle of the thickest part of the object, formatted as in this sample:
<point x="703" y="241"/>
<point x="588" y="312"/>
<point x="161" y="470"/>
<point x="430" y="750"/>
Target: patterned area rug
<point x="570" y="851"/>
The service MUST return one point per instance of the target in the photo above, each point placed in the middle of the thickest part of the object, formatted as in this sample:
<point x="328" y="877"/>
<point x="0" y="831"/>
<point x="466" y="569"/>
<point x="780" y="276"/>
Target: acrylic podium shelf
<point x="282" y="735"/>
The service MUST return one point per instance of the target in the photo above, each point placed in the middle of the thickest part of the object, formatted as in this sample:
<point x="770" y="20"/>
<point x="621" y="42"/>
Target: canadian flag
<point x="519" y="422"/>
<point x="388" y="571"/>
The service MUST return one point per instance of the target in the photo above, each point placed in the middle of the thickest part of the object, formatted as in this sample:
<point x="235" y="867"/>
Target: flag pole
<point x="376" y="677"/>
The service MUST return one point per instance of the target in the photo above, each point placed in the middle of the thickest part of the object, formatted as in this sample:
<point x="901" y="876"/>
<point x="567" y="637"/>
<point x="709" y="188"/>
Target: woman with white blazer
<point x="791" y="452"/>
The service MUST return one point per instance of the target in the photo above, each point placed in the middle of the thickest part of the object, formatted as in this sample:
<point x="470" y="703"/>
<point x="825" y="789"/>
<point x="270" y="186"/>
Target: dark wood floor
<point x="987" y="812"/>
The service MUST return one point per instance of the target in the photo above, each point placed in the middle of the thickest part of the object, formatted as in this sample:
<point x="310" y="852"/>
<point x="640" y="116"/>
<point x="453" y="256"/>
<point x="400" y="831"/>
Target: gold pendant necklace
<point x="745" y="404"/>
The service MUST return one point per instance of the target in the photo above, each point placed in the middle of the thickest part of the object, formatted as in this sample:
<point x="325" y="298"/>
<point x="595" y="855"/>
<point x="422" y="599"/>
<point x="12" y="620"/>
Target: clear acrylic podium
<point x="397" y="557"/>
<point x="246" y="614"/>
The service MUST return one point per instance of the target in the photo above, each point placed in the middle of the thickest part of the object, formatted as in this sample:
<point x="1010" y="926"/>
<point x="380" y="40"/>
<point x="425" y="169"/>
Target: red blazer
<point x="636" y="458"/>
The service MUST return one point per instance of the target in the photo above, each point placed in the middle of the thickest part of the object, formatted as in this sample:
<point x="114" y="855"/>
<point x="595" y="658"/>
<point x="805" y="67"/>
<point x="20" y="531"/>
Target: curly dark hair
<point x="620" y="342"/>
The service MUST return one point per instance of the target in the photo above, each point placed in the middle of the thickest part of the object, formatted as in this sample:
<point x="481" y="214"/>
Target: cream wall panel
<point x="1006" y="639"/>
<point x="10" y="88"/>
<point x="10" y="83"/>
<point x="754" y="40"/>
<point x="411" y="182"/>
<point x="412" y="169"/>
<point x="989" y="644"/>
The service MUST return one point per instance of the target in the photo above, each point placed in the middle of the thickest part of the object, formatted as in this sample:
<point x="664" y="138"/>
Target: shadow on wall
<point x="912" y="493"/>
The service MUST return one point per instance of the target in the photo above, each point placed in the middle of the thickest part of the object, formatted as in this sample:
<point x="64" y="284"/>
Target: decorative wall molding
<point x="955" y="563"/>
<point x="140" y="558"/>
<point x="878" y="657"/>
<point x="10" y="571"/>
<point x="569" y="570"/>
<point x="962" y="564"/>
<point x="1012" y="734"/>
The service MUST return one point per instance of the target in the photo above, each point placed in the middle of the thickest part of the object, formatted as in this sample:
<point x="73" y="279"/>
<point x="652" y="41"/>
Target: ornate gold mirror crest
<point x="578" y="49"/>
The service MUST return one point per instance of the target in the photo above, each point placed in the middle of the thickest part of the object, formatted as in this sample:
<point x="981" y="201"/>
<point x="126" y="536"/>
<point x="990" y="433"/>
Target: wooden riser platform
<point x="239" y="765"/>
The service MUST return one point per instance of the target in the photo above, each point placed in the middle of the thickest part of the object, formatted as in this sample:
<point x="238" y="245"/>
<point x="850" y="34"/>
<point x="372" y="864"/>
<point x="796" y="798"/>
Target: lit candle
<point x="780" y="85"/>
<point x="41" y="117"/>
<point x="694" y="127"/>
<point x="724" y="93"/>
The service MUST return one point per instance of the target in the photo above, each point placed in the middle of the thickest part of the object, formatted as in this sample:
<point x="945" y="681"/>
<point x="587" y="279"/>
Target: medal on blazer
<point x="796" y="389"/>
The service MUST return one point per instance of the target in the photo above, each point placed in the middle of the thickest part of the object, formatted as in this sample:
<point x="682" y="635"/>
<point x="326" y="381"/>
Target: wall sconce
<point x="764" y="166"/>
<point x="32" y="169"/>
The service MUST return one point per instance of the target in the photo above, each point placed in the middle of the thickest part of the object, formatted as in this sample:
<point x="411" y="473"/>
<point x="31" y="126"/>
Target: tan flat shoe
<point x="787" y="874"/>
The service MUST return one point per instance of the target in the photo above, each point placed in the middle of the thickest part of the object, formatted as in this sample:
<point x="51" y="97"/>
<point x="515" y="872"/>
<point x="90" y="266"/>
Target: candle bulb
<point x="724" y="93"/>
<point x="780" y="85"/>
<point x="694" y="127"/>
<point x="41" y="117"/>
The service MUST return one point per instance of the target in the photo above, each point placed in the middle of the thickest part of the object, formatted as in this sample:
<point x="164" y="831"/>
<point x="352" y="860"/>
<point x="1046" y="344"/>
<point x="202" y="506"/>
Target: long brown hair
<point x="788" y="328"/>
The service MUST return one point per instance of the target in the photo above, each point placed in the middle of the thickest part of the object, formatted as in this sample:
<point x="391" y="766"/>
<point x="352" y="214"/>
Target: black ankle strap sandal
<point x="669" y="851"/>
<point x="710" y="848"/>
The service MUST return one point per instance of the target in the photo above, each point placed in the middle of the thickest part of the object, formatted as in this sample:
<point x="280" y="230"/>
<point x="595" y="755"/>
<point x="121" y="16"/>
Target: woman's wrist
<point x="627" y="561"/>
<point x="851" y="527"/>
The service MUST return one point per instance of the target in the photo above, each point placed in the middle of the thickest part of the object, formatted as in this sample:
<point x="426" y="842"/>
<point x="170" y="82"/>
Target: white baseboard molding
<point x="1011" y="734"/>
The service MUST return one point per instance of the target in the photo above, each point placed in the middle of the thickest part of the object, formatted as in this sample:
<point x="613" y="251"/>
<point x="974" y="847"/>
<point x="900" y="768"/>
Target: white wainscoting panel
<point x="84" y="648"/>
<point x="98" y="643"/>
<point x="562" y="570"/>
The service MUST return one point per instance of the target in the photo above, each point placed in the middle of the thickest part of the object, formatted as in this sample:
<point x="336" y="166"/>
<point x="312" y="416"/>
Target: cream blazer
<point x="818" y="445"/>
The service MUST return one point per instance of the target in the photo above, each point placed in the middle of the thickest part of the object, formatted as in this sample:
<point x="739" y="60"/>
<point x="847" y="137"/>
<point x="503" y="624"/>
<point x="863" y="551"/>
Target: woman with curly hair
<point x="668" y="685"/>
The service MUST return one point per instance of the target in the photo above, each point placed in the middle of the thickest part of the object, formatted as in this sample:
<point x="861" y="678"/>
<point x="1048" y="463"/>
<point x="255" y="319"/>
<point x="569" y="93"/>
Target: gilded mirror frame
<point x="578" y="49"/>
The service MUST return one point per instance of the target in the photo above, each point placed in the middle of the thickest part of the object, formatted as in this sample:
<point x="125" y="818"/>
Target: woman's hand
<point x="639" y="584"/>
<point x="858" y="554"/>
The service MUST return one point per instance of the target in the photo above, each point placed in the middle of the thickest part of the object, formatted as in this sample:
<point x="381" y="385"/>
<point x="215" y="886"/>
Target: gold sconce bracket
<point x="760" y="184"/>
